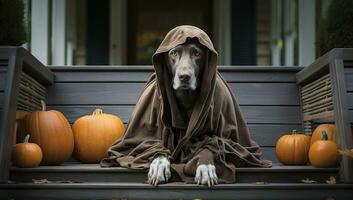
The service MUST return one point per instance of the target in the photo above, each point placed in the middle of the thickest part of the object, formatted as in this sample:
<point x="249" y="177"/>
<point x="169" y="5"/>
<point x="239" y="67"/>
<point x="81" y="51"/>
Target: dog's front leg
<point x="159" y="171"/>
<point x="206" y="175"/>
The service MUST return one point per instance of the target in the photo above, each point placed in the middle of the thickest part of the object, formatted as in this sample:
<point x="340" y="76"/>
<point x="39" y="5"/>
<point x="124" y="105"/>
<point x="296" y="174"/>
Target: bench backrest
<point x="268" y="96"/>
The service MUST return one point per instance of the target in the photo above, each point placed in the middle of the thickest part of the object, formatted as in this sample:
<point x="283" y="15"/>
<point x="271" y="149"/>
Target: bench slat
<point x="253" y="114"/>
<point x="348" y="72"/>
<point x="140" y="76"/>
<point x="1" y="99"/>
<point x="2" y="81"/>
<point x="127" y="93"/>
<point x="269" y="153"/>
<point x="350" y="100"/>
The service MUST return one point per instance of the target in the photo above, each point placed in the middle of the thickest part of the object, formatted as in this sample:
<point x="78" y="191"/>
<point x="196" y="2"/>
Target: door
<point x="149" y="21"/>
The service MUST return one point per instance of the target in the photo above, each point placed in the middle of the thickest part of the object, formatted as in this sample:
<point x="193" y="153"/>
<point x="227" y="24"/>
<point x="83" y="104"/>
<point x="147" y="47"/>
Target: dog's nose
<point x="184" y="77"/>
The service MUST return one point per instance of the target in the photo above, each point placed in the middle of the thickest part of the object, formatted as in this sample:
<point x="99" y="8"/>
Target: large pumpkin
<point x="94" y="134"/>
<point x="52" y="132"/>
<point x="330" y="130"/>
<point x="324" y="152"/>
<point x="292" y="149"/>
<point x="26" y="154"/>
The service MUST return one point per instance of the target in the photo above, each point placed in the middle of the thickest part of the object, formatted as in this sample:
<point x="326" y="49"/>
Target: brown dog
<point x="185" y="63"/>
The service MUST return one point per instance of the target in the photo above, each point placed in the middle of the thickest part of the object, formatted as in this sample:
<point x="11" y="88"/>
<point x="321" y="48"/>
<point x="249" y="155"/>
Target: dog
<point x="185" y="63"/>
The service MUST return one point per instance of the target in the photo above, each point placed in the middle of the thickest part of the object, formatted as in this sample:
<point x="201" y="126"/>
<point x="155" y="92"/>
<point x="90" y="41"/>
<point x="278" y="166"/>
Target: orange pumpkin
<point x="292" y="149"/>
<point x="94" y="134"/>
<point x="52" y="132"/>
<point x="26" y="154"/>
<point x="330" y="130"/>
<point x="324" y="153"/>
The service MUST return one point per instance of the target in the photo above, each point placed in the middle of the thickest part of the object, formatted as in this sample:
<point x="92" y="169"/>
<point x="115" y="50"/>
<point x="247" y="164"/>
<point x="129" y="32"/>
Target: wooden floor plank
<point x="175" y="191"/>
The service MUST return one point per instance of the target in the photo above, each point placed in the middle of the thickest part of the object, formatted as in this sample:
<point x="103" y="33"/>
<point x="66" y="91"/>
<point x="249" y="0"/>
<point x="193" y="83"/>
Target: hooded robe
<point x="216" y="132"/>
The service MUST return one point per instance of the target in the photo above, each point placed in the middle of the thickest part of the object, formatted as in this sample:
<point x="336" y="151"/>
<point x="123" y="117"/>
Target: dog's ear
<point x="205" y="61"/>
<point x="167" y="64"/>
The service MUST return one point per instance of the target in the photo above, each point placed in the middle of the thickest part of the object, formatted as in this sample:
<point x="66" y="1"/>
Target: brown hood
<point x="175" y="37"/>
<point x="216" y="132"/>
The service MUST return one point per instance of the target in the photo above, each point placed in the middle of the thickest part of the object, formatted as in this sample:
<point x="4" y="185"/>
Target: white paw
<point x="159" y="171"/>
<point x="206" y="175"/>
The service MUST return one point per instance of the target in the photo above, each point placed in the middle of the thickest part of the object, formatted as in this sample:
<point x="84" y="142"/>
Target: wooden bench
<point x="270" y="98"/>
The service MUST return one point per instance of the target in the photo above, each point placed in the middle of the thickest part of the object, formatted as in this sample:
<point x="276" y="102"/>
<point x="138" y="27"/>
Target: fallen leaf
<point x="308" y="181"/>
<point x="260" y="183"/>
<point x="332" y="180"/>
<point x="40" y="181"/>
<point x="346" y="152"/>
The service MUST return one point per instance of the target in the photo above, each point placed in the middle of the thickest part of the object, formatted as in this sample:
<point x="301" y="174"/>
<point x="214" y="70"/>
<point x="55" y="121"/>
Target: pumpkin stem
<point x="26" y="139"/>
<point x="97" y="111"/>
<point x="44" y="107"/>
<point x="294" y="131"/>
<point x="324" y="135"/>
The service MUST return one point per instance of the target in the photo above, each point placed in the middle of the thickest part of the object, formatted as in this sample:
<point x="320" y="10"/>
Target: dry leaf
<point x="260" y="183"/>
<point x="331" y="181"/>
<point x="346" y="152"/>
<point x="308" y="181"/>
<point x="40" y="181"/>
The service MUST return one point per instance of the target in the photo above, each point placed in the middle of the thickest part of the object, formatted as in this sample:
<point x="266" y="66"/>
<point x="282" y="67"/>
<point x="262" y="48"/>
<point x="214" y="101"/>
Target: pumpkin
<point x="26" y="154"/>
<point x="324" y="152"/>
<point x="52" y="132"/>
<point x="330" y="130"/>
<point x="94" y="134"/>
<point x="292" y="149"/>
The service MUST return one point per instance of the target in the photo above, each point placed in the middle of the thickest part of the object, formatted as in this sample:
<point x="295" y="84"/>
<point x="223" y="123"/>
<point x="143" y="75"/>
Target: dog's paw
<point x="206" y="175"/>
<point x="159" y="171"/>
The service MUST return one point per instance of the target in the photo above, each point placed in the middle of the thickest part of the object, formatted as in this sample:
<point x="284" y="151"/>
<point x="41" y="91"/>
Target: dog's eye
<point x="174" y="54"/>
<point x="196" y="53"/>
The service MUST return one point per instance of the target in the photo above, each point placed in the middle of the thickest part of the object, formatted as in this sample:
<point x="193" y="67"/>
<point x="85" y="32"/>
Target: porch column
<point x="118" y="32"/>
<point x="222" y="29"/>
<point x="306" y="32"/>
<point x="59" y="33"/>
<point x="40" y="30"/>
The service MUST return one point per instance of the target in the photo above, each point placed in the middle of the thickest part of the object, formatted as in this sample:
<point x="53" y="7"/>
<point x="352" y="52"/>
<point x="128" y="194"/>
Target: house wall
<point x="255" y="32"/>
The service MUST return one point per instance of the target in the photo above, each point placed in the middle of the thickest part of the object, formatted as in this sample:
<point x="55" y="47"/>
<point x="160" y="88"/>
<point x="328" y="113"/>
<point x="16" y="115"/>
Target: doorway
<point x="149" y="21"/>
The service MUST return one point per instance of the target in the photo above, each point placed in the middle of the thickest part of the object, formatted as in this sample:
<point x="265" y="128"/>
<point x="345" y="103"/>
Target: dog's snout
<point x="184" y="77"/>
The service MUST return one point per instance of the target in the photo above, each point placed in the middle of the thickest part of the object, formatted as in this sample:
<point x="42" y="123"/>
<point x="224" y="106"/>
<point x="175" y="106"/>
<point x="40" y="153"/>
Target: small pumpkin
<point x="94" y="134"/>
<point x="292" y="149"/>
<point x="26" y="154"/>
<point x="324" y="152"/>
<point x="52" y="132"/>
<point x="330" y="130"/>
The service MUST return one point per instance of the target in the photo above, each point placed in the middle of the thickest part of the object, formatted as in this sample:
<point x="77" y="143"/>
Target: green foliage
<point x="336" y="29"/>
<point x="12" y="28"/>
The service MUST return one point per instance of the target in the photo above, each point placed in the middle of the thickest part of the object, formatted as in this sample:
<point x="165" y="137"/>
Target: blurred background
<point x="127" y="32"/>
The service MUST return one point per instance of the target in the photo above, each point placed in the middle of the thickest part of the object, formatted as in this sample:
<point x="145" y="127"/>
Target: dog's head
<point x="186" y="63"/>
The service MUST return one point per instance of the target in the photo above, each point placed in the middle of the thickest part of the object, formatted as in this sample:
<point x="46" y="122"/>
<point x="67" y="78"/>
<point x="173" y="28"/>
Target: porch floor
<point x="76" y="172"/>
